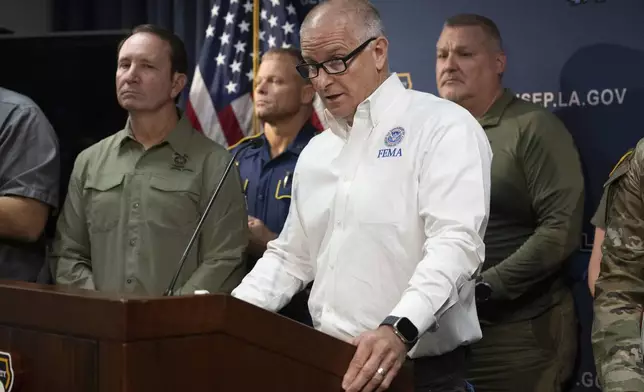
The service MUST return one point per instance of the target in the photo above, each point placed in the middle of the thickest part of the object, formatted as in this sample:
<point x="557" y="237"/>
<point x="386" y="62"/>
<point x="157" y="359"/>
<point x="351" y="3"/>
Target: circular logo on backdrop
<point x="394" y="137"/>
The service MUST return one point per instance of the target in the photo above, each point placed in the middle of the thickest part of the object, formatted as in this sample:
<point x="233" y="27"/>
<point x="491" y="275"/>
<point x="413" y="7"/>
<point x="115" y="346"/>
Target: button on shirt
<point x="387" y="217"/>
<point x="267" y="181"/>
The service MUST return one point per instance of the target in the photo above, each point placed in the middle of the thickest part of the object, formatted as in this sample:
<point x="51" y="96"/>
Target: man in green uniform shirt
<point x="135" y="198"/>
<point x="619" y="290"/>
<point x="526" y="311"/>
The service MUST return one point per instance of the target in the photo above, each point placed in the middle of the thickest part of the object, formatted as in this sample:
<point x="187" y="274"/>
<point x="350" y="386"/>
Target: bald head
<point x="360" y="17"/>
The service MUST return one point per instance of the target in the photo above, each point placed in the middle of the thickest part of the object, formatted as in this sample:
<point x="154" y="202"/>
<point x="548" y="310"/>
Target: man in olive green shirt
<point x="525" y="309"/>
<point x="135" y="198"/>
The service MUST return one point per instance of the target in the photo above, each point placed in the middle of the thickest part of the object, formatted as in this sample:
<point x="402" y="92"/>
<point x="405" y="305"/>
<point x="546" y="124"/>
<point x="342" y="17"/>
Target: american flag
<point x="220" y="102"/>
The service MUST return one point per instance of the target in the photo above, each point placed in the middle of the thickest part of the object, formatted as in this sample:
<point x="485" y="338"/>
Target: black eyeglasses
<point x="333" y="66"/>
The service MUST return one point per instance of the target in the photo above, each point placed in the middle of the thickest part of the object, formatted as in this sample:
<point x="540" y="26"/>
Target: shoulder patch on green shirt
<point x="623" y="159"/>
<point x="618" y="171"/>
<point x="620" y="168"/>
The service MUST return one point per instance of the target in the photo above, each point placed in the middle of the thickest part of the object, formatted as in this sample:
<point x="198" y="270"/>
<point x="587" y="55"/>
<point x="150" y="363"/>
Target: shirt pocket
<point x="283" y="188"/>
<point x="173" y="202"/>
<point x="280" y="205"/>
<point x="105" y="194"/>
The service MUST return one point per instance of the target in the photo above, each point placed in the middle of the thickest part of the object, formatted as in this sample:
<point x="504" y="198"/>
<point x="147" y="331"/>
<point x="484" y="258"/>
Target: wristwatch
<point x="482" y="290"/>
<point x="403" y="328"/>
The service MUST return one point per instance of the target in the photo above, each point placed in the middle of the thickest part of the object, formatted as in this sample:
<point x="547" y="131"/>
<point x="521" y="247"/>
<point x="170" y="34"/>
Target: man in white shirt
<point x="388" y="211"/>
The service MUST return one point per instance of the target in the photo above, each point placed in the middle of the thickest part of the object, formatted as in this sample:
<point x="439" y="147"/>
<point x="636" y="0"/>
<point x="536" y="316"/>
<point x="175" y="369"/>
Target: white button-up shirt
<point x="387" y="218"/>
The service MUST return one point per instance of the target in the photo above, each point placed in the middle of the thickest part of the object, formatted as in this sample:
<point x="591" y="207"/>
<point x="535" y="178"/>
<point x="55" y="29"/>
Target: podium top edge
<point x="7" y="285"/>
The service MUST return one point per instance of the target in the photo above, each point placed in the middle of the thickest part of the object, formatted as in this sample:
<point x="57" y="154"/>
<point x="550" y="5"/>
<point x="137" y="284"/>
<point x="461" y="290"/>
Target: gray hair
<point x="367" y="17"/>
<point x="486" y="24"/>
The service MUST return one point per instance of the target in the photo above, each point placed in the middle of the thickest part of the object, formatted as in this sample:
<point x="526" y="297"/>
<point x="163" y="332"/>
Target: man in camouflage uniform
<point x="599" y="221"/>
<point x="619" y="291"/>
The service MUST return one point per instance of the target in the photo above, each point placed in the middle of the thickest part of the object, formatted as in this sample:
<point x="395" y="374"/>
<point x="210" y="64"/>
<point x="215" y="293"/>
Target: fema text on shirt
<point x="560" y="99"/>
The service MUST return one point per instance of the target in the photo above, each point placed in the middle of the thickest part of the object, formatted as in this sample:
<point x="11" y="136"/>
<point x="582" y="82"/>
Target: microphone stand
<point x="254" y="143"/>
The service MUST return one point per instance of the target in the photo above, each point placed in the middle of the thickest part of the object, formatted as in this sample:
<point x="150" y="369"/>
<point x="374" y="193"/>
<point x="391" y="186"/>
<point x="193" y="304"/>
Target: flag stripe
<point x="243" y="109"/>
<point x="202" y="103"/>
<point x="192" y="116"/>
<point x="229" y="125"/>
<point x="318" y="114"/>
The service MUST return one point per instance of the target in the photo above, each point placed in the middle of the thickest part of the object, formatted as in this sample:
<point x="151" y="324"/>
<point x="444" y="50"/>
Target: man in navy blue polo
<point x="284" y="104"/>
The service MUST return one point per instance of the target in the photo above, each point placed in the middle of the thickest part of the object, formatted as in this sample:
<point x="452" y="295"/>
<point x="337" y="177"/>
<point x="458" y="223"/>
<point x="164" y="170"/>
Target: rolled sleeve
<point x="30" y="164"/>
<point x="454" y="205"/>
<point x="599" y="219"/>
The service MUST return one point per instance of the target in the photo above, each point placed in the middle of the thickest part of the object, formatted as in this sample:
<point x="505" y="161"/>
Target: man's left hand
<point x="260" y="235"/>
<point x="377" y="360"/>
<point x="259" y="232"/>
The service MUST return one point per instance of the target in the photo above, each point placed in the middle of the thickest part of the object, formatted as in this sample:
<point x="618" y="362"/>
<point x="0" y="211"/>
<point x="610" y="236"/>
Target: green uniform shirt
<point x="536" y="207"/>
<point x="619" y="291"/>
<point x="130" y="212"/>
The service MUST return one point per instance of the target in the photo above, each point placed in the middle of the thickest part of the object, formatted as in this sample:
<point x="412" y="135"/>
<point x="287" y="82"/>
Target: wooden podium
<point x="66" y="340"/>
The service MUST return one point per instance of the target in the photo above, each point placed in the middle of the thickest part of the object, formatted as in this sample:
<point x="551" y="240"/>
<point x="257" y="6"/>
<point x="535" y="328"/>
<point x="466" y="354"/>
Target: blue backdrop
<point x="583" y="60"/>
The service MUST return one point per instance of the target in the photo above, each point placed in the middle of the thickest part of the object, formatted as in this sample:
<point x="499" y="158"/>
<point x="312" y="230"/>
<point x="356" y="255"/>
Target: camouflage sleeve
<point x="599" y="219"/>
<point x="616" y="334"/>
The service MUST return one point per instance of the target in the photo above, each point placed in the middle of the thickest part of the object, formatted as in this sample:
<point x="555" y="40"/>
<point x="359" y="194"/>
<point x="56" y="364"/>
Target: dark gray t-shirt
<point x="29" y="167"/>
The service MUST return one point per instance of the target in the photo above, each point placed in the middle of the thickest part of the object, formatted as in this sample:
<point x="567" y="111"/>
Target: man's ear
<point x="500" y="62"/>
<point x="179" y="81"/>
<point x="308" y="95"/>
<point x="380" y="48"/>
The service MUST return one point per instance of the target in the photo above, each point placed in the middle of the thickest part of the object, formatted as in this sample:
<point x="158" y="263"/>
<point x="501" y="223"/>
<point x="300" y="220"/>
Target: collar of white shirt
<point x="371" y="109"/>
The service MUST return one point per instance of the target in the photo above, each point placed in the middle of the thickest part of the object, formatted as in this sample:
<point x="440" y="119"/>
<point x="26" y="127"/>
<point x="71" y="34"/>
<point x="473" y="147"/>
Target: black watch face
<point x="407" y="329"/>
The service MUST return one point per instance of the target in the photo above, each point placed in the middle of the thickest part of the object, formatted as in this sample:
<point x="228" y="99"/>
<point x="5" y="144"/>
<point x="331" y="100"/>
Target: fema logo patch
<point x="6" y="371"/>
<point x="394" y="137"/>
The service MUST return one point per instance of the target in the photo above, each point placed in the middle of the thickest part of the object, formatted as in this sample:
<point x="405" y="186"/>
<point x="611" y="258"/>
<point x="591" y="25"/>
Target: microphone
<point x="253" y="143"/>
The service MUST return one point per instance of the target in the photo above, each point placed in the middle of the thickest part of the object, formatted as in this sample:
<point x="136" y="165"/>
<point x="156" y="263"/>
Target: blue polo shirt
<point x="267" y="182"/>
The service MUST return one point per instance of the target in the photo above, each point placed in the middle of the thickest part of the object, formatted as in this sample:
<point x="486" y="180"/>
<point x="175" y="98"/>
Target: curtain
<point x="187" y="18"/>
